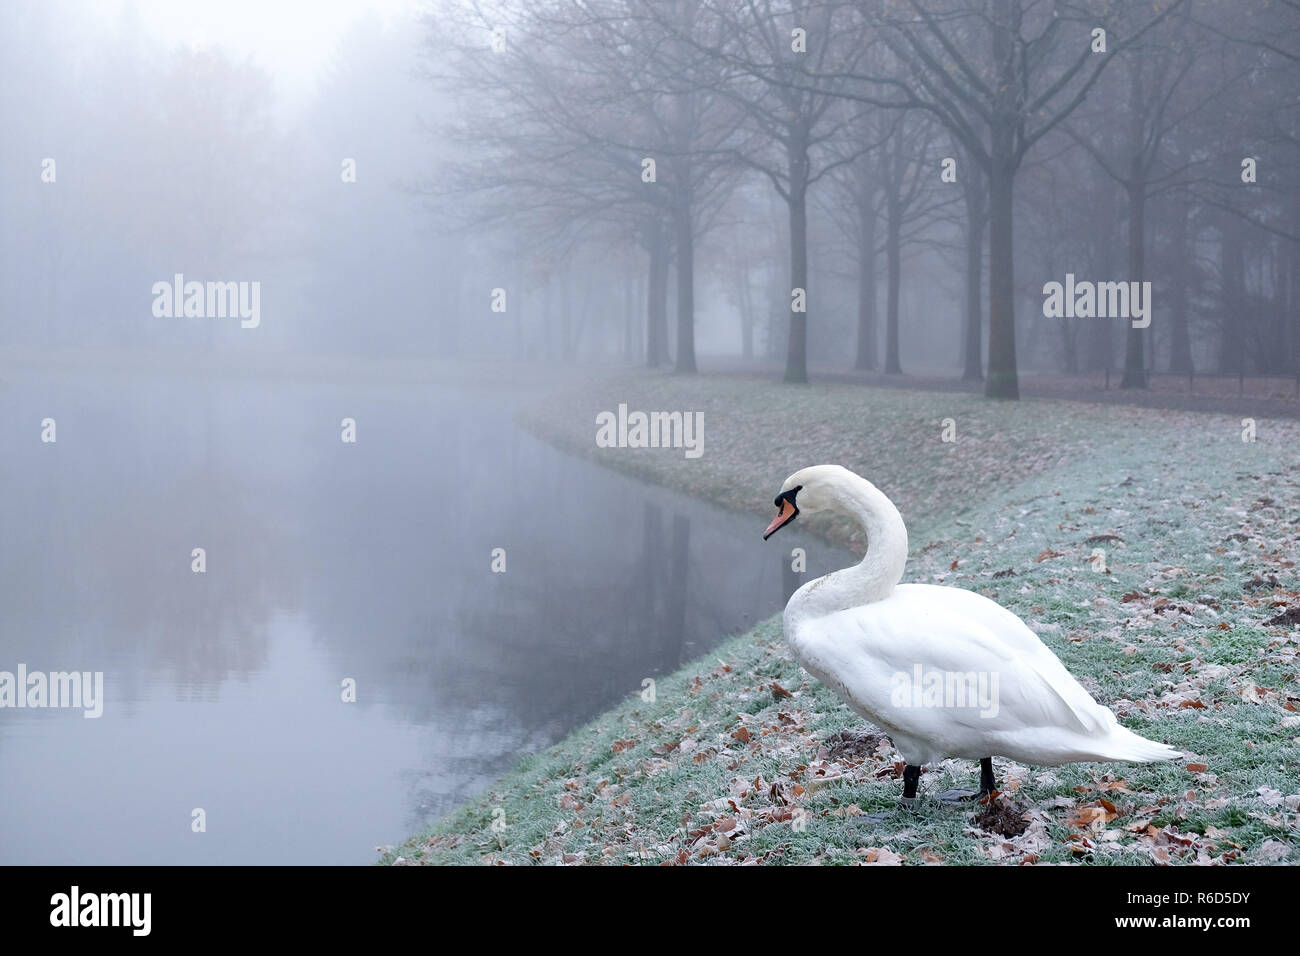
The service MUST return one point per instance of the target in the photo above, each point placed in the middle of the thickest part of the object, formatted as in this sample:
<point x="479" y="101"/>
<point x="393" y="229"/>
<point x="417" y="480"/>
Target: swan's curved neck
<point x="874" y="577"/>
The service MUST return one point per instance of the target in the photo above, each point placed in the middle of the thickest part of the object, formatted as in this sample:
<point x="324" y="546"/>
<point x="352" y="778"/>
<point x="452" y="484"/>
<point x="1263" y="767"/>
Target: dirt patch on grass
<point x="1003" y="817"/>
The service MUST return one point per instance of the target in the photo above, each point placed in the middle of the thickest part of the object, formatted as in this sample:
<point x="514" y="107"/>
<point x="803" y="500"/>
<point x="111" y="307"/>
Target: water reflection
<point x="326" y="561"/>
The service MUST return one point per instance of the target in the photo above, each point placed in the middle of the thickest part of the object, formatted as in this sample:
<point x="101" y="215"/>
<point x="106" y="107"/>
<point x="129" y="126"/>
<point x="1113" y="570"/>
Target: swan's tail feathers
<point x="1123" y="744"/>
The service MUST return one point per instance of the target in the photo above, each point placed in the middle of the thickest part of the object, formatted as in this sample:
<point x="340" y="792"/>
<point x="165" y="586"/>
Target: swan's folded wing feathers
<point x="864" y="650"/>
<point x="1013" y="632"/>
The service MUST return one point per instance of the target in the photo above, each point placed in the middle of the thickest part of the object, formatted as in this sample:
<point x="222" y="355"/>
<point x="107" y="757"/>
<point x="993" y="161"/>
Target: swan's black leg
<point x="911" y="777"/>
<point x="987" y="782"/>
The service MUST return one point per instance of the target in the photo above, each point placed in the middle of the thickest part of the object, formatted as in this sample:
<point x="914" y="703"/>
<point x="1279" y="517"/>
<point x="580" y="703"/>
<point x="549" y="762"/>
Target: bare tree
<point x="765" y="48"/>
<point x="577" y="153"/>
<point x="1158" y="95"/>
<point x="992" y="73"/>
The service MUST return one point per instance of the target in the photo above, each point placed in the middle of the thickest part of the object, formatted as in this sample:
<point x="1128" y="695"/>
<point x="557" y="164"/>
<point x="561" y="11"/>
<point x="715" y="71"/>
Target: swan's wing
<point x="868" y="653"/>
<point x="1010" y="630"/>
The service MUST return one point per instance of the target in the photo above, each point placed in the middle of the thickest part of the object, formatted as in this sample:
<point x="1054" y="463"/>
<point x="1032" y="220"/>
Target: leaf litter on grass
<point x="1185" y="630"/>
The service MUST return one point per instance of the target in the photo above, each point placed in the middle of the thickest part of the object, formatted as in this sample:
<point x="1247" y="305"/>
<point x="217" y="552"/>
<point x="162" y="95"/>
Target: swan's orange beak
<point x="783" y="516"/>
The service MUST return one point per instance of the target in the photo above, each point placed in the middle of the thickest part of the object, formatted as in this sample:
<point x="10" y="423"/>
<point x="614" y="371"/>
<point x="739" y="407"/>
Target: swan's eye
<point x="787" y="496"/>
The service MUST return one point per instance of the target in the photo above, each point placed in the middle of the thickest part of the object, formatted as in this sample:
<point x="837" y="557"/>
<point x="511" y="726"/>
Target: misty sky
<point x="276" y="34"/>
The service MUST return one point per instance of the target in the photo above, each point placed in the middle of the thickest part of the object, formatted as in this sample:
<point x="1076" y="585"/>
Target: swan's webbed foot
<point x="905" y="805"/>
<point x="988" y="786"/>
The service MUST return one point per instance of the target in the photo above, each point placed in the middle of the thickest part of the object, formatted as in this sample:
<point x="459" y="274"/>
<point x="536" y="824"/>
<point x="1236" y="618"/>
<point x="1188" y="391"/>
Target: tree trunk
<point x="1100" y="347"/>
<point x="1295" y="289"/>
<point x="450" y="341"/>
<point x="629" y="316"/>
<point x="1232" y="281"/>
<point x="1135" y="370"/>
<point x="1180" y="343"/>
<point x="656" y="353"/>
<point x="566" y="316"/>
<point x="867" y="357"/>
<point x="516" y="314"/>
<point x="548" y="323"/>
<point x="1280" y="347"/>
<point x="1002" y="379"/>
<point x="746" y="316"/>
<point x="685" y="290"/>
<point x="581" y="316"/>
<point x="893" y="280"/>
<point x="1069" y="330"/>
<point x="778" y="314"/>
<point x="796" y="359"/>
<point x="976" y="218"/>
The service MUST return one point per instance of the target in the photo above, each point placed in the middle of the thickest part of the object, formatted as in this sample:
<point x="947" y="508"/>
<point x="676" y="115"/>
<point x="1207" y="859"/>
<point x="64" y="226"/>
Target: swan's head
<point x="809" y="489"/>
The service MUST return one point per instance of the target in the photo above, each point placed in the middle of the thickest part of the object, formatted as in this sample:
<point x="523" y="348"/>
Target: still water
<point x="324" y="561"/>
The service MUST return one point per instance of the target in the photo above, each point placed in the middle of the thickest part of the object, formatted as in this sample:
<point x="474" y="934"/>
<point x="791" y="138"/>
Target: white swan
<point x="944" y="671"/>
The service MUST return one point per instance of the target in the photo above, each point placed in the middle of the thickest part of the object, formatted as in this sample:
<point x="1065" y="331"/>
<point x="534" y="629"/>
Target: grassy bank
<point x="1187" y="625"/>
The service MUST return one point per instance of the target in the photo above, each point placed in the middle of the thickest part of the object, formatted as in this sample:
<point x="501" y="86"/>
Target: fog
<point x="227" y="230"/>
<point x="381" y="182"/>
